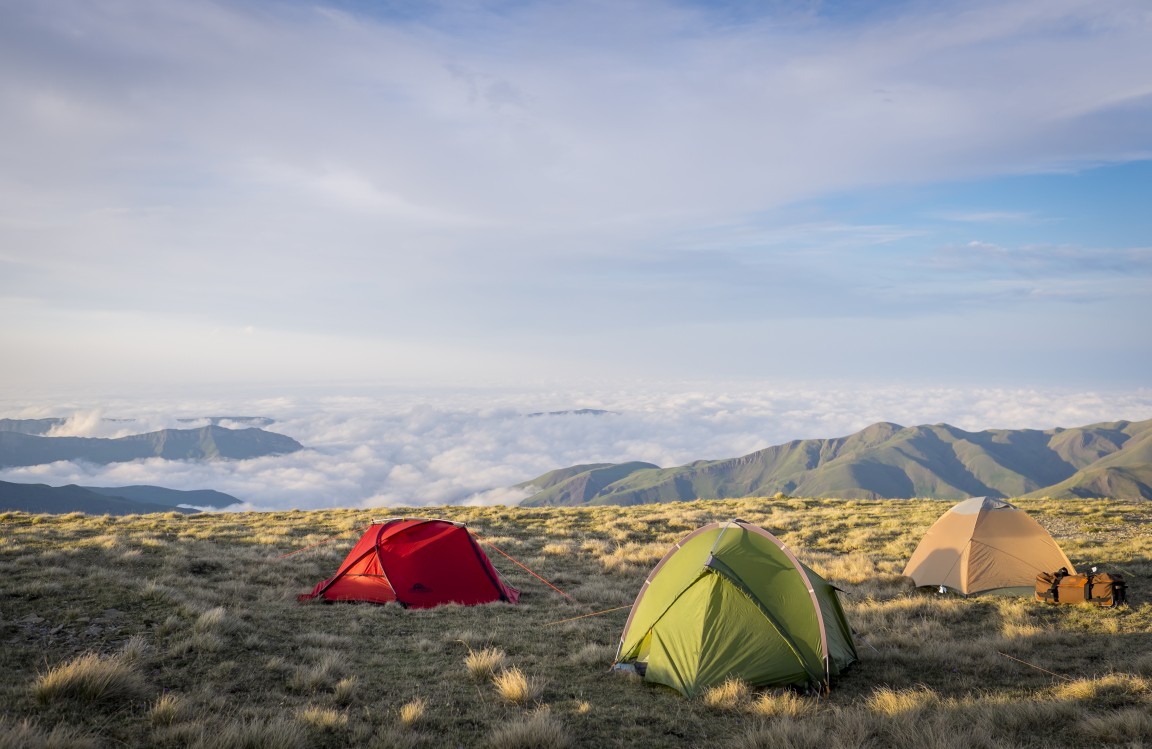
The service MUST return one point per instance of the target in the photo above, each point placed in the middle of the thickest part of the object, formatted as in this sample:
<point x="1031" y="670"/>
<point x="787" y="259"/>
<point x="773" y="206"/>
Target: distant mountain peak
<point x="576" y="412"/>
<point x="205" y="443"/>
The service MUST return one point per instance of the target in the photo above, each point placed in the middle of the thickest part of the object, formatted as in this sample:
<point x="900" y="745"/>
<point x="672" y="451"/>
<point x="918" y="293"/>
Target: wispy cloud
<point x="989" y="217"/>
<point x="1047" y="260"/>
<point x="396" y="187"/>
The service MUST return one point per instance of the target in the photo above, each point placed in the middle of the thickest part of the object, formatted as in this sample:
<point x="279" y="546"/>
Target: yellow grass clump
<point x="516" y="688"/>
<point x="319" y="716"/>
<point x="168" y="708"/>
<point x="783" y="703"/>
<point x="412" y="711"/>
<point x="90" y="678"/>
<point x="483" y="664"/>
<point x="731" y="695"/>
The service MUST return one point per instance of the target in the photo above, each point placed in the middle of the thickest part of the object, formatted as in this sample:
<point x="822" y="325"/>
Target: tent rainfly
<point x="985" y="545"/>
<point x="419" y="563"/>
<point x="731" y="600"/>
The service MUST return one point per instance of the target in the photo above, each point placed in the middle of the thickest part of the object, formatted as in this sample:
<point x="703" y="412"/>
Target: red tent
<point x="418" y="562"/>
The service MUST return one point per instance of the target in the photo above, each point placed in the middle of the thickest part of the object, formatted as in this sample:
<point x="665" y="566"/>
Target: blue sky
<point x="320" y="193"/>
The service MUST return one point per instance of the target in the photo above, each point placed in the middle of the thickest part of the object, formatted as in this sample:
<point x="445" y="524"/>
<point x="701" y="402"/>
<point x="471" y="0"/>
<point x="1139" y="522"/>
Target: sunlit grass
<point x="411" y="712"/>
<point x="517" y="688"/>
<point x="197" y="615"/>
<point x="483" y="664"/>
<point x="90" y="678"/>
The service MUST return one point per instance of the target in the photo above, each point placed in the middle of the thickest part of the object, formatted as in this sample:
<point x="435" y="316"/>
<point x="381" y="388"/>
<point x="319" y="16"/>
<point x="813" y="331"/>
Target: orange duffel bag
<point x="1098" y="588"/>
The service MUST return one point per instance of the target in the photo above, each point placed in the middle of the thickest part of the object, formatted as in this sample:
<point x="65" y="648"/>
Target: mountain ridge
<point x="206" y="443"/>
<point x="884" y="461"/>
<point x="59" y="500"/>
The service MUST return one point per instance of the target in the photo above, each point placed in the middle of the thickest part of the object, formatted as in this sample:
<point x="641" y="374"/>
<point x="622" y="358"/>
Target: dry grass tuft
<point x="731" y="695"/>
<point x="344" y="690"/>
<point x="1111" y="691"/>
<point x="411" y="712"/>
<point x="632" y="556"/>
<point x="212" y="620"/>
<point x="786" y="704"/>
<point x="90" y="678"/>
<point x="133" y="649"/>
<point x="318" y="716"/>
<point x="538" y="731"/>
<point x="483" y="664"/>
<point x="515" y="688"/>
<point x="167" y="709"/>
<point x="896" y="703"/>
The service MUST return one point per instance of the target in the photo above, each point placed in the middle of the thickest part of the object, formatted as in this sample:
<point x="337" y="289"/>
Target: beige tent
<point x="985" y="545"/>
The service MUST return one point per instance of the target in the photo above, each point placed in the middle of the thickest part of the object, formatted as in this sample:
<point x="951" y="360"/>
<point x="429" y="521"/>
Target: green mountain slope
<point x="207" y="443"/>
<point x="578" y="485"/>
<point x="887" y="461"/>
<point x="41" y="498"/>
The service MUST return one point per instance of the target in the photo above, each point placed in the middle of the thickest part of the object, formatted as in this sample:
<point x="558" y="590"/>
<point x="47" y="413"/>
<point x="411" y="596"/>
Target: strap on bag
<point x="1057" y="576"/>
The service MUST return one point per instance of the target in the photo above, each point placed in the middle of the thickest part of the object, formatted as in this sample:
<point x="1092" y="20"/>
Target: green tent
<point x="730" y="600"/>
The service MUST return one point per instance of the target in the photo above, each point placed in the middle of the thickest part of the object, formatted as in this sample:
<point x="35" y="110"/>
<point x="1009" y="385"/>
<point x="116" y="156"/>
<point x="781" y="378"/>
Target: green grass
<point x="180" y="631"/>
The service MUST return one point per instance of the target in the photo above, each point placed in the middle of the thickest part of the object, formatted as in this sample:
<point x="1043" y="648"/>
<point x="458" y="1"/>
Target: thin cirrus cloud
<point x="413" y="449"/>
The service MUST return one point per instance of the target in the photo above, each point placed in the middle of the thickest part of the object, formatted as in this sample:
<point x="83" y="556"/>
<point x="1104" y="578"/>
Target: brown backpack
<point x="1098" y="588"/>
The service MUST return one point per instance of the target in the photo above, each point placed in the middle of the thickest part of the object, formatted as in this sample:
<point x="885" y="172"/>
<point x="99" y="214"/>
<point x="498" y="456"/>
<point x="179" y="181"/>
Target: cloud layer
<point x="412" y="449"/>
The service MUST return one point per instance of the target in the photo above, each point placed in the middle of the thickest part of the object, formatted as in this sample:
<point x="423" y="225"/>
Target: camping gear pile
<point x="730" y="599"/>
<point x="1100" y="589"/>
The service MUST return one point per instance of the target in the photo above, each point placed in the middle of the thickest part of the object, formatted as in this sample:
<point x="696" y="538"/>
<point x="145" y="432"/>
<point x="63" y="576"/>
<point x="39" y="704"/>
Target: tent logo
<point x="420" y="588"/>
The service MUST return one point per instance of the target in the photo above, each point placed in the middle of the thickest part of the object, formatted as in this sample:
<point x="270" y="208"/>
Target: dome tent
<point x="985" y="545"/>
<point x="417" y="562"/>
<point x="730" y="600"/>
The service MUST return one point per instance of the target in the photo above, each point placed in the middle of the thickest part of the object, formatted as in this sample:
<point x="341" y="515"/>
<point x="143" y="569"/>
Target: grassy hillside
<point x="886" y="461"/>
<point x="183" y="631"/>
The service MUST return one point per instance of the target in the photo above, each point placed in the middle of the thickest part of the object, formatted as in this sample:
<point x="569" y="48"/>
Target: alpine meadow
<point x="173" y="630"/>
<point x="575" y="374"/>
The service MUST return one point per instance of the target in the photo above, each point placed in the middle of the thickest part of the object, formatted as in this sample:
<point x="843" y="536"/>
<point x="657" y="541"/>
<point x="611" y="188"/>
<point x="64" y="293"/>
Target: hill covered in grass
<point x="184" y="631"/>
<point x="885" y="460"/>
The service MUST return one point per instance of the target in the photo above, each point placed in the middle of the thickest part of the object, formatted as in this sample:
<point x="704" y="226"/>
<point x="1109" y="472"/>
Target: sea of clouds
<point x="406" y="447"/>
